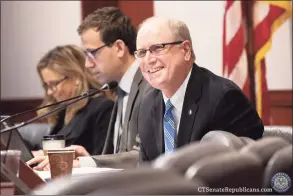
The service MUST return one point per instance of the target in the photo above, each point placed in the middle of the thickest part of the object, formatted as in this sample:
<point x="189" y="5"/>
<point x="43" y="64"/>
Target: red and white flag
<point x="267" y="17"/>
<point x="235" y="66"/>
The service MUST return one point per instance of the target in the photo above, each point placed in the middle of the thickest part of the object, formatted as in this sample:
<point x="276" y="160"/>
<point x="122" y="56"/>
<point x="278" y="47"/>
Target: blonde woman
<point x="64" y="76"/>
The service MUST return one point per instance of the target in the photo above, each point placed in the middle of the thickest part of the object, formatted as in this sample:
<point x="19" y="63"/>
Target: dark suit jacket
<point x="129" y="134"/>
<point x="210" y="103"/>
<point x="88" y="127"/>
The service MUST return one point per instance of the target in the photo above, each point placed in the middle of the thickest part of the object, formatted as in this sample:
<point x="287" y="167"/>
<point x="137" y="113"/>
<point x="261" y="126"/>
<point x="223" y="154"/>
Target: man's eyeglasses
<point x="92" y="53"/>
<point x="53" y="84"/>
<point x="157" y="49"/>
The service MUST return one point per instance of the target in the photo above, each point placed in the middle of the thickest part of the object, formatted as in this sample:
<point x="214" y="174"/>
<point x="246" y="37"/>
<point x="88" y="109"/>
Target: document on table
<point x="76" y="172"/>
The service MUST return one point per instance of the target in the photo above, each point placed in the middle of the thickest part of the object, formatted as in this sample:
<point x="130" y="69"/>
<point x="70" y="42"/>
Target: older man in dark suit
<point x="188" y="101"/>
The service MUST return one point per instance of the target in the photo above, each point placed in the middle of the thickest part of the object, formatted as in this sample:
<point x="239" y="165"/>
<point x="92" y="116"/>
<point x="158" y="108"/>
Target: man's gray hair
<point x="178" y="29"/>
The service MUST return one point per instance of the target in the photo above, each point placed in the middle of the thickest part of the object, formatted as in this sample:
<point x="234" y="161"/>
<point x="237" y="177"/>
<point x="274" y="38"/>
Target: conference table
<point x="33" y="178"/>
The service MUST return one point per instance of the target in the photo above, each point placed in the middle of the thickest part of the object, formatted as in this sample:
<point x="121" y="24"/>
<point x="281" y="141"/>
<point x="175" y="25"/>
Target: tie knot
<point x="169" y="105"/>
<point x="120" y="92"/>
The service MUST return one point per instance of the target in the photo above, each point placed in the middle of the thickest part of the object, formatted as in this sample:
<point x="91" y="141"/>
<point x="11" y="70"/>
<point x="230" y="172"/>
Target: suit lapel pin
<point x="190" y="112"/>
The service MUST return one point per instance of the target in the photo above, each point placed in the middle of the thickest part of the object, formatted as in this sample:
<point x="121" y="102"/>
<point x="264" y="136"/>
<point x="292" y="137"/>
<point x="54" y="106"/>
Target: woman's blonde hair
<point x="68" y="60"/>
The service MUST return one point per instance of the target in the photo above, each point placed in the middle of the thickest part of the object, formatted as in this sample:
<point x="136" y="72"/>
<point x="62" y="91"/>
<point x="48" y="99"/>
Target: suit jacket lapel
<point x="130" y="104"/>
<point x="189" y="110"/>
<point x="132" y="96"/>
<point x="157" y="120"/>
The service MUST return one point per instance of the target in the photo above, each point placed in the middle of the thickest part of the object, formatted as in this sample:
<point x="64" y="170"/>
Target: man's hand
<point x="76" y="163"/>
<point x="44" y="163"/>
<point x="79" y="150"/>
<point x="38" y="153"/>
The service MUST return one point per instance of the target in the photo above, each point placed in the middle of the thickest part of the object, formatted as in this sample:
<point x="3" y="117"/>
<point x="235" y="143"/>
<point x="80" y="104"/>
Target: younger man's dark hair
<point x="113" y="25"/>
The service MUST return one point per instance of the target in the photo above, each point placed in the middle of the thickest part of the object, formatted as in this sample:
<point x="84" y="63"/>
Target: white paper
<point x="46" y="175"/>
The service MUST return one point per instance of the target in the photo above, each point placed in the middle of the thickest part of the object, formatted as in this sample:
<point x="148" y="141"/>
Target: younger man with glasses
<point x="187" y="100"/>
<point x="109" y="41"/>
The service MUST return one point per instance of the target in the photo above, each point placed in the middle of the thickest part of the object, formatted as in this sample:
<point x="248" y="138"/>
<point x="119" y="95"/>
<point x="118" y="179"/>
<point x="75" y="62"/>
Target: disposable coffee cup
<point x="61" y="162"/>
<point x="53" y="142"/>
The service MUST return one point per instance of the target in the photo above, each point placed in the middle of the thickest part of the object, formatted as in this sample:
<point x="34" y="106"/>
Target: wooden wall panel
<point x="88" y="7"/>
<point x="10" y="107"/>
<point x="137" y="10"/>
<point x="281" y="107"/>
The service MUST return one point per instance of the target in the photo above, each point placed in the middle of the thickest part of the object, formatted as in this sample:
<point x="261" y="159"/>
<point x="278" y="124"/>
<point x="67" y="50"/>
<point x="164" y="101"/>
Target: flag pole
<point x="248" y="14"/>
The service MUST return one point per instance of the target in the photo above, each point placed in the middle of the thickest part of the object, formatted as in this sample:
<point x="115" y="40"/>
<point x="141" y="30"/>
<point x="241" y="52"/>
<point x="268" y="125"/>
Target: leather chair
<point x="33" y="133"/>
<point x="127" y="180"/>
<point x="225" y="138"/>
<point x="185" y="156"/>
<point x="175" y="185"/>
<point x="265" y="147"/>
<point x="246" y="140"/>
<point x="281" y="161"/>
<point x="284" y="132"/>
<point x="231" y="170"/>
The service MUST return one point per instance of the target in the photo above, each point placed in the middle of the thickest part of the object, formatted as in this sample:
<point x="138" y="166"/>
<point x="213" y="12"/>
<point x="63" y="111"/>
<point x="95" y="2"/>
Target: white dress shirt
<point x="177" y="101"/>
<point x="125" y="84"/>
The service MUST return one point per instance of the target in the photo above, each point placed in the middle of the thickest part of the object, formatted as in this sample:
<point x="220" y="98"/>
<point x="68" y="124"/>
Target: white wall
<point x="279" y="59"/>
<point x="205" y="22"/>
<point x="28" y="30"/>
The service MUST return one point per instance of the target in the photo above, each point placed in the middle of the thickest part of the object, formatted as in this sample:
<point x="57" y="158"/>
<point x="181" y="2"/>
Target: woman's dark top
<point x="88" y="127"/>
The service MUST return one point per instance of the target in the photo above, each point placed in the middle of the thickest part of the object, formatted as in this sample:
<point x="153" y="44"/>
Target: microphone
<point x="108" y="86"/>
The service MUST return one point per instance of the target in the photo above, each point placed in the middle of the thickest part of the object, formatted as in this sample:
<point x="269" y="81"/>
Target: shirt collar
<point x="178" y="98"/>
<point x="127" y="78"/>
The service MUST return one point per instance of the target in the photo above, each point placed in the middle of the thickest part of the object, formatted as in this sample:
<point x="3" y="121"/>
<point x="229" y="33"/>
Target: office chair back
<point x="280" y="162"/>
<point x="265" y="147"/>
<point x="106" y="182"/>
<point x="284" y="132"/>
<point x="185" y="156"/>
<point x="246" y="140"/>
<point x="176" y="185"/>
<point x="223" y="137"/>
<point x="231" y="170"/>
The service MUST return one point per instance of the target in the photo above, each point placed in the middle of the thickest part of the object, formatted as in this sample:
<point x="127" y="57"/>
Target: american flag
<point x="267" y="16"/>
<point x="235" y="66"/>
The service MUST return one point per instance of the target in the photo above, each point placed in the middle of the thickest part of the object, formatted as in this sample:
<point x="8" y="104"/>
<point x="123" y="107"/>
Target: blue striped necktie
<point x="169" y="128"/>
